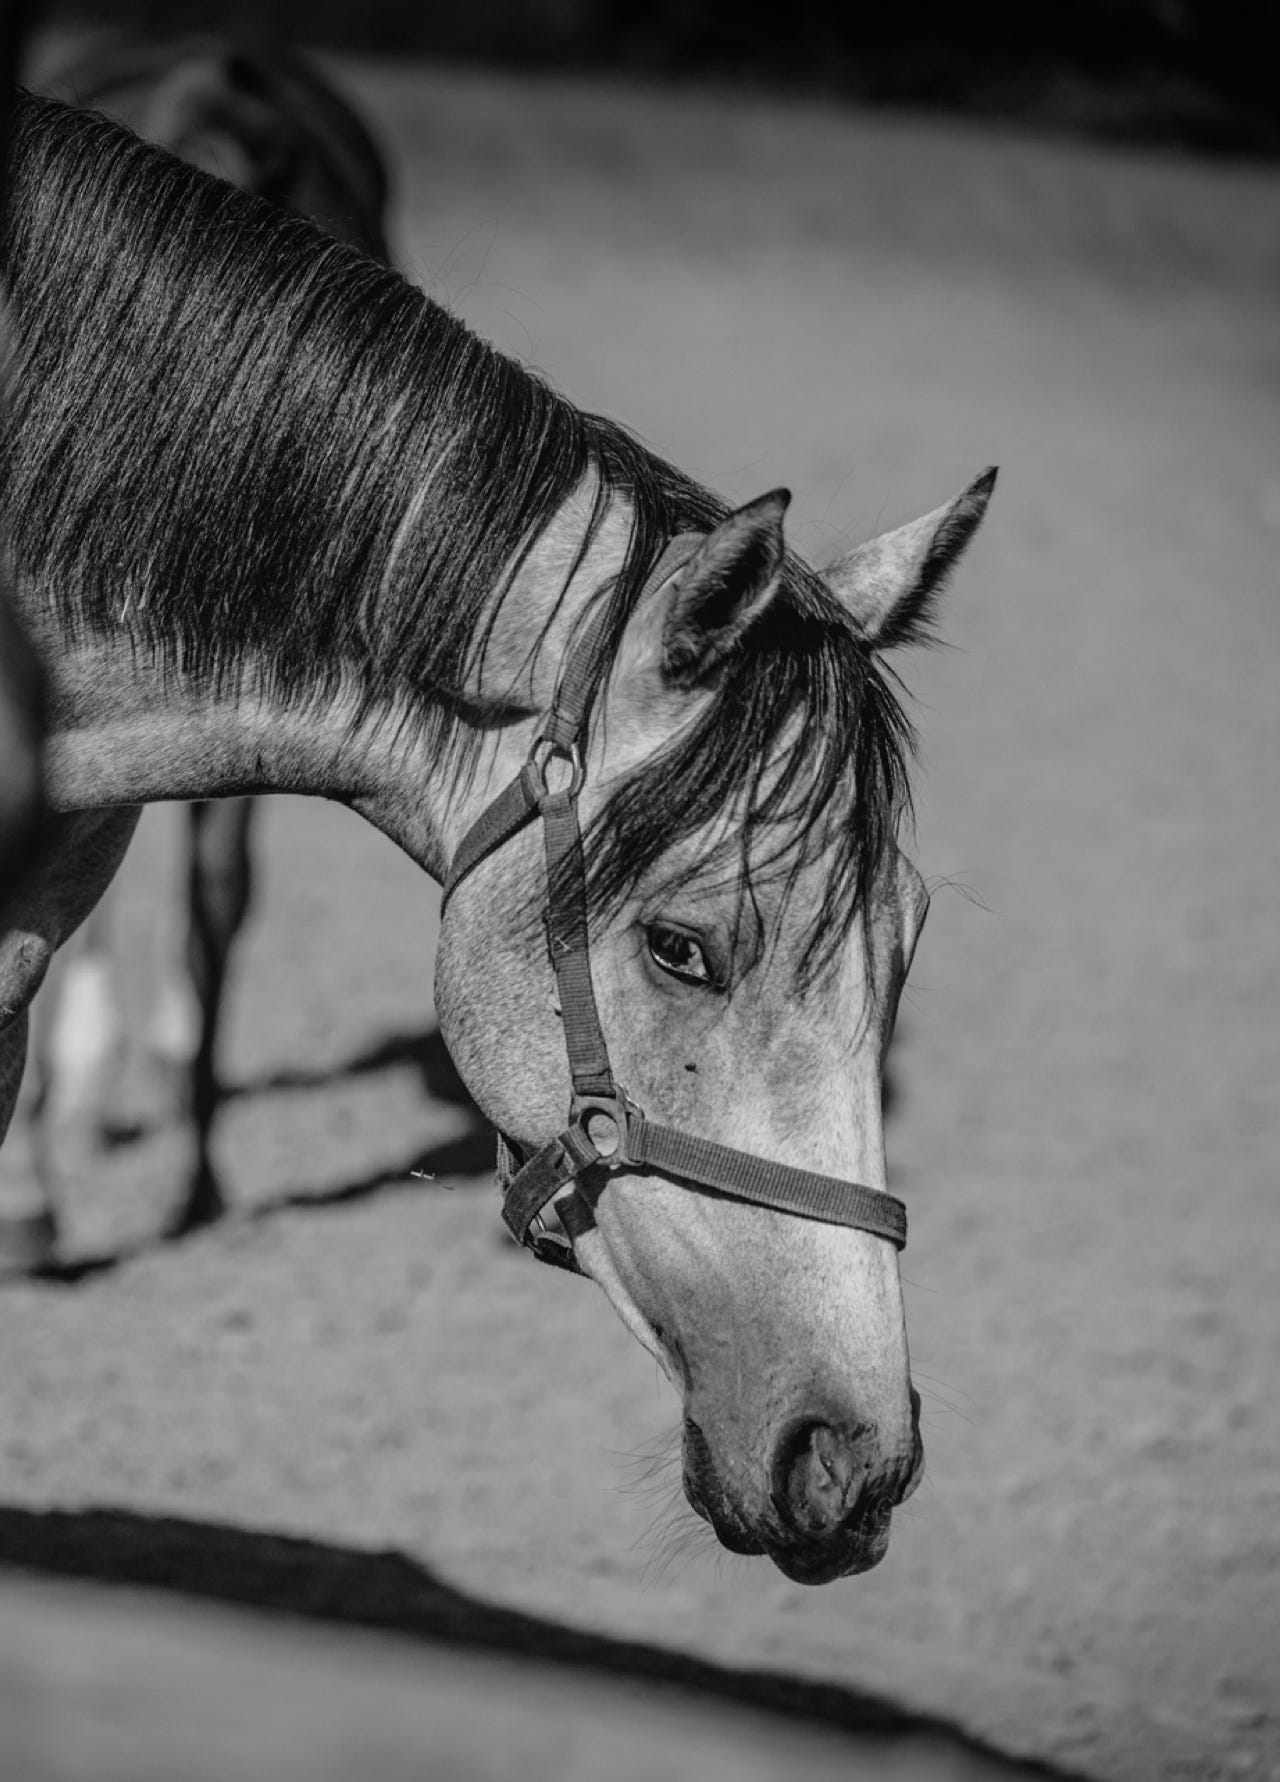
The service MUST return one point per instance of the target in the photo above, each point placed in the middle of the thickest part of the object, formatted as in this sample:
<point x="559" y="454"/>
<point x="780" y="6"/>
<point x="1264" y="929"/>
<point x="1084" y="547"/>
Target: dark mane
<point x="228" y="426"/>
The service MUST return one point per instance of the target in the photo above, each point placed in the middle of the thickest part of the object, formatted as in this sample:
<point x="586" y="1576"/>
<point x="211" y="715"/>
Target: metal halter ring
<point x="604" y="1122"/>
<point x="544" y="752"/>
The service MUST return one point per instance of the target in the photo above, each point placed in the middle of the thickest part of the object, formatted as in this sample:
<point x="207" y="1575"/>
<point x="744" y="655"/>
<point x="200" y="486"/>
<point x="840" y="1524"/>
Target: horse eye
<point x="678" y="954"/>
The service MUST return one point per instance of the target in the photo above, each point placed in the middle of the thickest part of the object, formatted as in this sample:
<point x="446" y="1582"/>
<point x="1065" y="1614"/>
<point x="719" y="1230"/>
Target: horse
<point x="262" y="116"/>
<point x="280" y="521"/>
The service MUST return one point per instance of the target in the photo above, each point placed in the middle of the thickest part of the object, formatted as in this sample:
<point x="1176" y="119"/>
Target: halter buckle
<point x="546" y="750"/>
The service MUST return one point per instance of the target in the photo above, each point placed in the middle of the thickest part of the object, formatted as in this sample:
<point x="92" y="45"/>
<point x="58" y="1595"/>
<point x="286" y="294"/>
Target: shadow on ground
<point x="386" y="1591"/>
<point x="471" y="1154"/>
<point x="425" y="1050"/>
<point x="467" y="1153"/>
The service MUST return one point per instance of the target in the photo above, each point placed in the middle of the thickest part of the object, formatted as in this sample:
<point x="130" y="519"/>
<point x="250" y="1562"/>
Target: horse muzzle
<point x="830" y="1500"/>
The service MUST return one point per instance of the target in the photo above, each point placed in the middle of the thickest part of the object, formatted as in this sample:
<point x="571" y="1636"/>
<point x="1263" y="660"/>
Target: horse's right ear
<point x="891" y="583"/>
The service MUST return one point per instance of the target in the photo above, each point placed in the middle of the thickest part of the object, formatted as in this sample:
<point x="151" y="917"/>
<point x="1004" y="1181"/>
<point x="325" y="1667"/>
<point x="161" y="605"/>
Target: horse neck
<point x="502" y="711"/>
<point x="127" y="727"/>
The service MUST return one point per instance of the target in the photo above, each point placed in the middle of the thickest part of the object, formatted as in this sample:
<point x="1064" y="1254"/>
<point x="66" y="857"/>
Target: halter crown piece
<point x="606" y="1129"/>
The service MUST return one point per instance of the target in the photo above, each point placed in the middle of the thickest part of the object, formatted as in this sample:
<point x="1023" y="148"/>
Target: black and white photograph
<point x="645" y="639"/>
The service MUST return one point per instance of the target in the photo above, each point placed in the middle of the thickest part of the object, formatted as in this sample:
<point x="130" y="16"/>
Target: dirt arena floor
<point x="869" y="309"/>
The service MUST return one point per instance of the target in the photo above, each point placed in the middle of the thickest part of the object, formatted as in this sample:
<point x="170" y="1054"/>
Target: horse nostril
<point x="818" y="1473"/>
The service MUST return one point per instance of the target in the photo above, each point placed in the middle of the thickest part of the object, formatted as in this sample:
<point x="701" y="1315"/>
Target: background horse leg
<point x="28" y="1231"/>
<point x="75" y="1058"/>
<point x="219" y="886"/>
<point x="85" y="851"/>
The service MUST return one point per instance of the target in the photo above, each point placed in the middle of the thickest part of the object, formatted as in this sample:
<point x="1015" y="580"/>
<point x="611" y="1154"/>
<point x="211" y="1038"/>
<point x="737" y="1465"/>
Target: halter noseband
<point x="606" y="1129"/>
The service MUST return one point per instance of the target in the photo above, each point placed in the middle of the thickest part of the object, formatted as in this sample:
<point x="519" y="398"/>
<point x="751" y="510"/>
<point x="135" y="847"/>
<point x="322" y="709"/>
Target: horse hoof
<point x="28" y="1242"/>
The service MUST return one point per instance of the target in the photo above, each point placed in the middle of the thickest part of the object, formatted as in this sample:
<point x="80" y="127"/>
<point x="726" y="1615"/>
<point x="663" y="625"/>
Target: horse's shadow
<point x="425" y="1050"/>
<point x="469" y="1152"/>
<point x="312" y="1581"/>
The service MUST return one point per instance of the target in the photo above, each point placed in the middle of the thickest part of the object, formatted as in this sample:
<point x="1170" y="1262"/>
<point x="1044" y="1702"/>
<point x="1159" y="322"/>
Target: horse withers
<point x="654" y="753"/>
<point x="265" y="118"/>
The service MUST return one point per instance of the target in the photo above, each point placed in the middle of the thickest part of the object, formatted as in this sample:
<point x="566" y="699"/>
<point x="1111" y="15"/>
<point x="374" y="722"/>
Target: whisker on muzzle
<point x="649" y="1473"/>
<point x="678" y="1537"/>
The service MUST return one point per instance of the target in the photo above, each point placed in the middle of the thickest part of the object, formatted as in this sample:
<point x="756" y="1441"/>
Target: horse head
<point x="752" y="921"/>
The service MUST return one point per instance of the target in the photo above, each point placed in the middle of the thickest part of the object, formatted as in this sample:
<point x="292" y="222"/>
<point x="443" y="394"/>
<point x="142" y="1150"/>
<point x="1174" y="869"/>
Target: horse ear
<point x="891" y="584"/>
<point x="723" y="589"/>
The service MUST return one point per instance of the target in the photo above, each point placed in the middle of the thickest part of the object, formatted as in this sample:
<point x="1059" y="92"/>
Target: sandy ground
<point x="871" y="310"/>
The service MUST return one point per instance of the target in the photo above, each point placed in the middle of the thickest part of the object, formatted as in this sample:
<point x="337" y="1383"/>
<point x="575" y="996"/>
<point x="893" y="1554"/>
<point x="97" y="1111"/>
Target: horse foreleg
<point x="219" y="888"/>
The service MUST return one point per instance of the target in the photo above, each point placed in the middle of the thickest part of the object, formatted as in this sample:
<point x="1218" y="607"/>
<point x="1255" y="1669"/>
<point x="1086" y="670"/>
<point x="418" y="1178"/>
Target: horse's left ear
<point x="891" y="583"/>
<point x="723" y="589"/>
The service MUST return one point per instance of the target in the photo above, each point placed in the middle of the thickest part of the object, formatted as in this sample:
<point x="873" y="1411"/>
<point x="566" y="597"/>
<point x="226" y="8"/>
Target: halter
<point x="606" y="1129"/>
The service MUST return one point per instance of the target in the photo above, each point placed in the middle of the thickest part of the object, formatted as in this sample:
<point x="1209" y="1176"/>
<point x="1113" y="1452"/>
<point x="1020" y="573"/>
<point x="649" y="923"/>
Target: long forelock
<point x="804" y="747"/>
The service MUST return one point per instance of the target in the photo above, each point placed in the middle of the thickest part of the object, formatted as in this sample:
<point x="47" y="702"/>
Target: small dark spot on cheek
<point x="692" y="1067"/>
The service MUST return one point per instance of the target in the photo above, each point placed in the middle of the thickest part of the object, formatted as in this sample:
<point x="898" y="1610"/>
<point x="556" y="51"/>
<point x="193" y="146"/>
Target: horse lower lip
<point x="825" y="1568"/>
<point x="737" y="1540"/>
<point x="858" y="1551"/>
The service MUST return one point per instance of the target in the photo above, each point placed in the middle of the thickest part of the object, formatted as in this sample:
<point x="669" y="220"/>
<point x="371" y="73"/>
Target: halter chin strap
<point x="606" y="1129"/>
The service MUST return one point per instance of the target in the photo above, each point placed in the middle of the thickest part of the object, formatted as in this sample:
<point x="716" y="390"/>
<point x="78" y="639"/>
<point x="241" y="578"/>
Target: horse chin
<point x="860" y="1550"/>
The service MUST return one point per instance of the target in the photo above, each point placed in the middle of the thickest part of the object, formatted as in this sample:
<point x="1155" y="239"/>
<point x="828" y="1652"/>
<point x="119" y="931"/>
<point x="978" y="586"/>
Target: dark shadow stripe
<point x="392" y="1593"/>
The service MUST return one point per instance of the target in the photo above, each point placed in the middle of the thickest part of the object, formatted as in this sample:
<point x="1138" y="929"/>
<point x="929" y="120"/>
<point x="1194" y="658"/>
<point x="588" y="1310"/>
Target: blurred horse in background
<point x="266" y="119"/>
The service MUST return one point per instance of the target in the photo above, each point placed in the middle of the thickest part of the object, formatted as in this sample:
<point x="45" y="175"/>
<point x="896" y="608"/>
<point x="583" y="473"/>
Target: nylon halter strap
<point x="606" y="1129"/>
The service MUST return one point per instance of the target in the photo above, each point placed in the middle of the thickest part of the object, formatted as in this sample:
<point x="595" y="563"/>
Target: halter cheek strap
<point x="606" y="1129"/>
